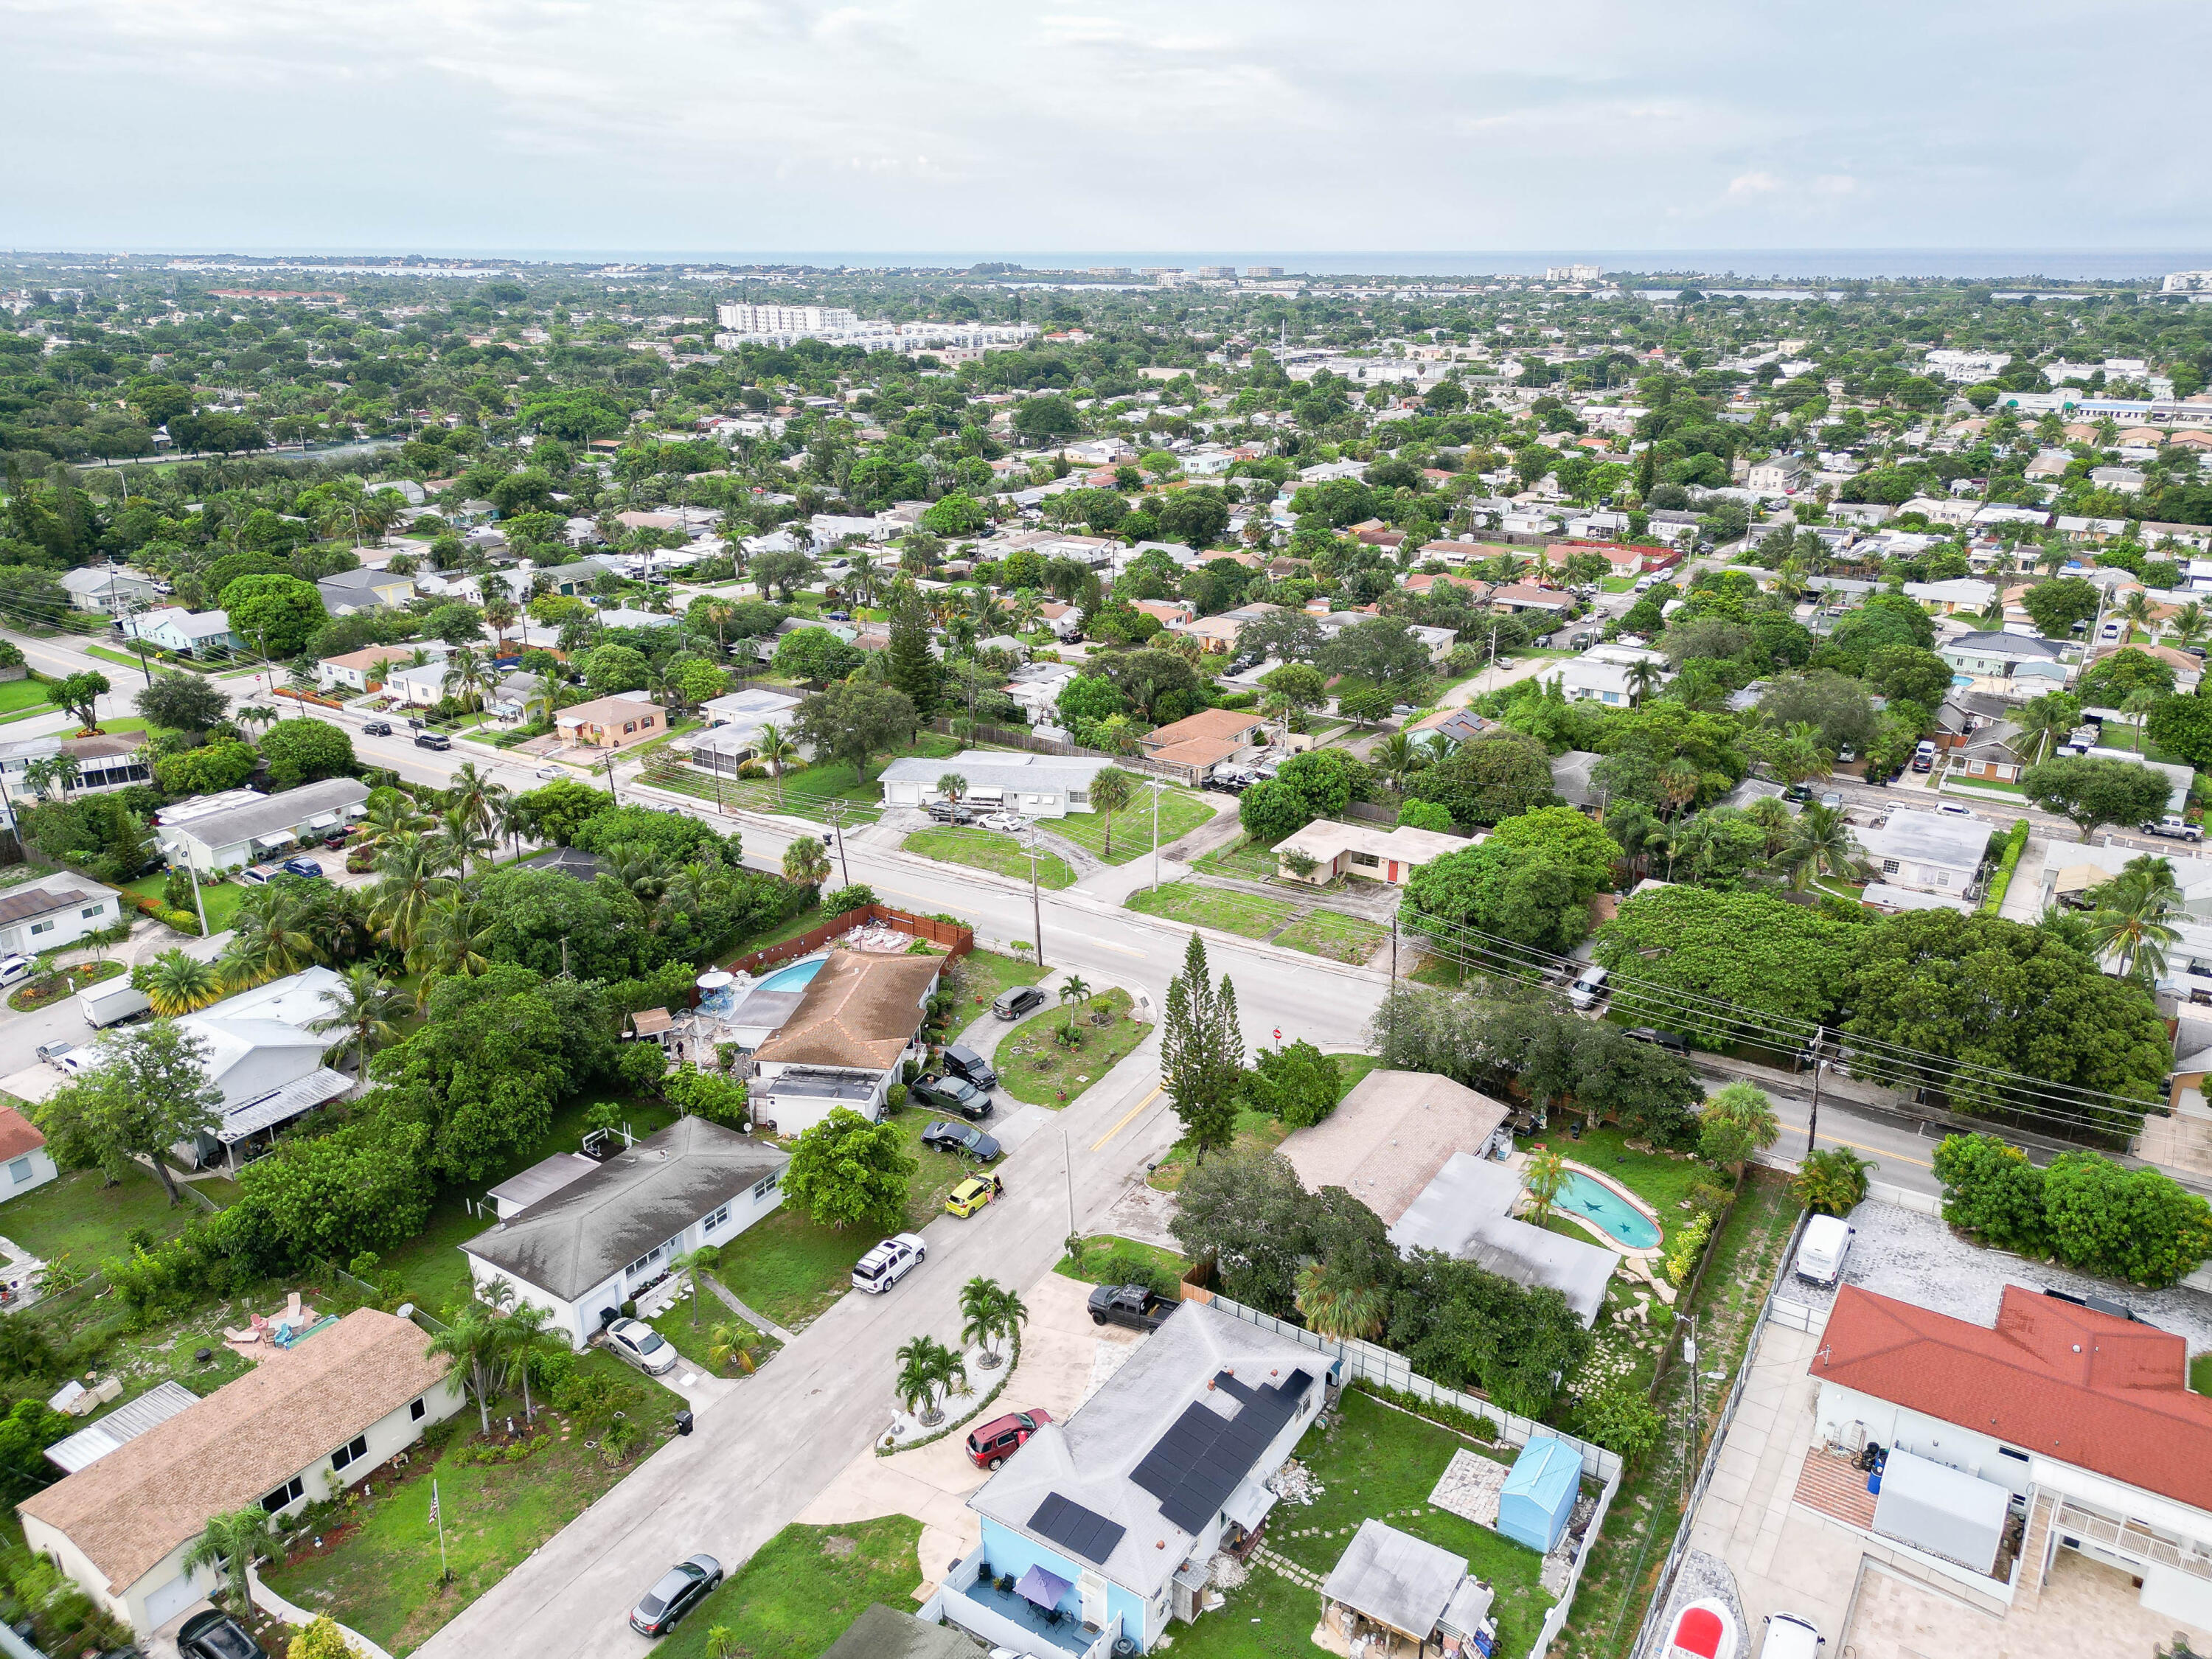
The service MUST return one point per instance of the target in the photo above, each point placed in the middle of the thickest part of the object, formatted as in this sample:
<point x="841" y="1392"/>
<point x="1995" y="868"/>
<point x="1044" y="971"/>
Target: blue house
<point x="1103" y="1526"/>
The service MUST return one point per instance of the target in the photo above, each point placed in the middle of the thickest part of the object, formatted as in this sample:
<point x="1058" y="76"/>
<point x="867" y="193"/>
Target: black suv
<point x="958" y="1139"/>
<point x="213" y="1635"/>
<point x="969" y="1066"/>
<point x="949" y="811"/>
<point x="433" y="740"/>
<point x="1137" y="1306"/>
<point x="377" y="729"/>
<point x="949" y="1094"/>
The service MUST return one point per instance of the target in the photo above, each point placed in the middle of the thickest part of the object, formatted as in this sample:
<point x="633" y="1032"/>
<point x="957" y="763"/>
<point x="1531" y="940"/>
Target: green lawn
<point x="1251" y="861"/>
<point x="1198" y="906"/>
<point x="1660" y="1180"/>
<point x="1255" y="1131"/>
<point x="807" y="791"/>
<point x="25" y="696"/>
<point x="1098" y="1266"/>
<point x="1350" y="1069"/>
<point x="790" y="1268"/>
<point x="74" y="1216"/>
<point x="1181" y="813"/>
<point x="382" y="1578"/>
<point x="692" y="1341"/>
<point x="1335" y="934"/>
<point x="2200" y="1373"/>
<point x="1033" y="1068"/>
<point x="38" y="993"/>
<point x="1370" y="1461"/>
<point x="981" y="974"/>
<point x="803" y="1587"/>
<point x="222" y="899"/>
<point x="987" y="849"/>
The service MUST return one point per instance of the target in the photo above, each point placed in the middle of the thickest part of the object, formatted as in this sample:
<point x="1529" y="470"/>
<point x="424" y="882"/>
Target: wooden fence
<point x="957" y="940"/>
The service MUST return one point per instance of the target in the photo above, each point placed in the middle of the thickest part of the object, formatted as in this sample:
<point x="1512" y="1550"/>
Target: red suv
<point x="998" y="1439"/>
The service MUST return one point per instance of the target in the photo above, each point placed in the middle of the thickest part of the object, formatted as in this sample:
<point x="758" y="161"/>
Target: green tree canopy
<point x="275" y="616"/>
<point x="300" y="751"/>
<point x="846" y="1170"/>
<point x="1704" y="955"/>
<point x="2091" y="790"/>
<point x="1488" y="779"/>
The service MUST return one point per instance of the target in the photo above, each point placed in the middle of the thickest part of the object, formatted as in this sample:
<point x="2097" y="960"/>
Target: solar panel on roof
<point x="1194" y="1466"/>
<point x="1084" y="1532"/>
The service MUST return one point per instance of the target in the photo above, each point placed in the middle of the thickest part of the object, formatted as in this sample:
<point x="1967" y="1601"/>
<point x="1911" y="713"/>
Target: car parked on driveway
<point x="888" y="1262"/>
<point x="15" y="968"/>
<point x="674" y="1593"/>
<point x="306" y="867"/>
<point x="1010" y="823"/>
<point x="215" y="1635"/>
<point x="949" y="1094"/>
<point x="949" y="811"/>
<point x="973" y="1193"/>
<point x="1002" y="1437"/>
<point x="51" y="1052"/>
<point x="1016" y="1001"/>
<point x="642" y="1346"/>
<point x="966" y="1063"/>
<point x="1138" y="1307"/>
<point x="960" y="1140"/>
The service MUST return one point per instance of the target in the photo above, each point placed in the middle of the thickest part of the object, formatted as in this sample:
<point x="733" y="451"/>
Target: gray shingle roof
<point x="265" y="817"/>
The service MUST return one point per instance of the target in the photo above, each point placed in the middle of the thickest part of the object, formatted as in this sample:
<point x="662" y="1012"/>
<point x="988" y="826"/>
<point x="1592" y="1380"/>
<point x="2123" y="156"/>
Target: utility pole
<point x="1812" y="1123"/>
<point x="1157" y="785"/>
<point x="1036" y="909"/>
<point x="610" y="776"/>
<point x="837" y="832"/>
<point x="198" y="903"/>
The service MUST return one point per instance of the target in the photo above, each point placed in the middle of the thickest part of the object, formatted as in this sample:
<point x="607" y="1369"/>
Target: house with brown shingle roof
<point x="856" y="1024"/>
<point x="305" y="1423"/>
<point x="1205" y="739"/>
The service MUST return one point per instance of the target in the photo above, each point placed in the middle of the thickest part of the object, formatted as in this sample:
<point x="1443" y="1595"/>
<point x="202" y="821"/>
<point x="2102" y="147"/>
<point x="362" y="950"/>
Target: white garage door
<point x="170" y="1600"/>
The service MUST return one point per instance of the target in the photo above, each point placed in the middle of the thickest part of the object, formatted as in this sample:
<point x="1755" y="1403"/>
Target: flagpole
<point x="445" y="1572"/>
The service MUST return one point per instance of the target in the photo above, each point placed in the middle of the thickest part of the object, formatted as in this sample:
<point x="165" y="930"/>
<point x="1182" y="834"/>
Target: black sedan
<point x="681" y="1588"/>
<point x="213" y="1635"/>
<point x="960" y="1140"/>
<point x="946" y="1093"/>
<point x="1136" y="1306"/>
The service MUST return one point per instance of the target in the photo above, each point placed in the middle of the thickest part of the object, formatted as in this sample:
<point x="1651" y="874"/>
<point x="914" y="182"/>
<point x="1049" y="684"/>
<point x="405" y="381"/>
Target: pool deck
<point x="1639" y="1254"/>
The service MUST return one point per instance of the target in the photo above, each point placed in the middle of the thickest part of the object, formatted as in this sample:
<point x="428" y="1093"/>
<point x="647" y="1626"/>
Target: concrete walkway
<point x="300" y="1617"/>
<point x="757" y="1321"/>
<point x="2023" y="900"/>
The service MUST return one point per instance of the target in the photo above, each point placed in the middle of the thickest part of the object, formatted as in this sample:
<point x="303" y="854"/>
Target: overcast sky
<point x="1041" y="124"/>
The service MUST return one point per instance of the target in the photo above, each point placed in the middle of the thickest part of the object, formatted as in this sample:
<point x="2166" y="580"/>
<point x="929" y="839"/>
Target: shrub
<point x="1620" y="1417"/>
<point x="1831" y="1182"/>
<point x="1127" y="1267"/>
<point x="895" y="1095"/>
<point x="839" y="900"/>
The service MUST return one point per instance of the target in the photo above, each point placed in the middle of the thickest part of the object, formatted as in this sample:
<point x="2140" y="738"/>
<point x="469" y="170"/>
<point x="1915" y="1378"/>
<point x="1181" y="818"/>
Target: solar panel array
<point x="1083" y="1532"/>
<point x="1198" y="1462"/>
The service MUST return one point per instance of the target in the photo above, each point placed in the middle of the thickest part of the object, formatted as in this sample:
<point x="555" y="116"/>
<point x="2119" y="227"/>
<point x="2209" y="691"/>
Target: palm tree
<point x="2186" y="625"/>
<point x="1076" y="989"/>
<point x="2130" y="920"/>
<point x="229" y="1543"/>
<point x="177" y="983"/>
<point x="364" y="1004"/>
<point x="524" y="1335"/>
<point x="926" y="1366"/>
<point x="2043" y="719"/>
<point x="774" y="749"/>
<point x="458" y="840"/>
<point x="979" y="1308"/>
<point x="472" y="795"/>
<point x="449" y="943"/>
<point x="1823" y="844"/>
<point x="719" y="612"/>
<point x="499" y="610"/>
<point x="1545" y="1179"/>
<point x="735" y="1340"/>
<point x="474" y="1343"/>
<point x="408" y="878"/>
<point x="250" y="714"/>
<point x="1678" y="782"/>
<point x="1737" y="1121"/>
<point x="469" y="675"/>
<point x="2137" y="609"/>
<point x="392" y="815"/>
<point x="1112" y="790"/>
<point x="1340" y="1303"/>
<point x="952" y="786"/>
<point x="1397" y="757"/>
<point x="1643" y="676"/>
<point x="272" y="937"/>
<point x="807" y="862"/>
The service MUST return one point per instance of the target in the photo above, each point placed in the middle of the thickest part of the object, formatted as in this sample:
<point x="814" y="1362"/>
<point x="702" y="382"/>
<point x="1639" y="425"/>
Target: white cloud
<point x="1745" y="187"/>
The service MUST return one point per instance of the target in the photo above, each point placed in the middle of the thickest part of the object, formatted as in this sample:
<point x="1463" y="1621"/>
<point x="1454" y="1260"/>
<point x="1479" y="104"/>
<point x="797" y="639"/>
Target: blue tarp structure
<point x="1539" y="1493"/>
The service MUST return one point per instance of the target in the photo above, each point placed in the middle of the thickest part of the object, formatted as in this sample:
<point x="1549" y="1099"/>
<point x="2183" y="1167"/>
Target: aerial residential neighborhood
<point x="729" y="952"/>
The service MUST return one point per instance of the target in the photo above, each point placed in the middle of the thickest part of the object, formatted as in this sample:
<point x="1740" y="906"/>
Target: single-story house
<point x="581" y="1247"/>
<point x="840" y="1041"/>
<point x="1927" y="852"/>
<point x="1366" y="852"/>
<point x="1169" y="1460"/>
<point x="1999" y="656"/>
<point x="234" y="833"/>
<point x="1466" y="1211"/>
<point x="111" y="760"/>
<point x="1513" y="598"/>
<point x="346" y="591"/>
<point x="368" y="669"/>
<point x="53" y="911"/>
<point x="580" y="576"/>
<point x="118" y="592"/>
<point x="751" y="708"/>
<point x="417" y="686"/>
<point x="23" y="1152"/>
<point x="884" y="1632"/>
<point x="1036" y="785"/>
<point x="609" y="722"/>
<point x="623" y="617"/>
<point x="1607" y="674"/>
<point x="189" y="633"/>
<point x="1200" y="742"/>
<point x="265" y="1058"/>
<point x="1574" y="781"/>
<point x="304" y="1423"/>
<point x="1035" y="687"/>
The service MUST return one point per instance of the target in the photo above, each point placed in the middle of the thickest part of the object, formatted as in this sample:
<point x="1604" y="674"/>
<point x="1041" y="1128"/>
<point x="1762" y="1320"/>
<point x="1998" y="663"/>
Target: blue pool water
<point x="797" y="977"/>
<point x="1620" y="1219"/>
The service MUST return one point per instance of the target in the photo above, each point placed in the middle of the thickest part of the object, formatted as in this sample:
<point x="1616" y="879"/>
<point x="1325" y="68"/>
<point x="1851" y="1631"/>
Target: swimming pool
<point x="797" y="977"/>
<point x="1608" y="1209"/>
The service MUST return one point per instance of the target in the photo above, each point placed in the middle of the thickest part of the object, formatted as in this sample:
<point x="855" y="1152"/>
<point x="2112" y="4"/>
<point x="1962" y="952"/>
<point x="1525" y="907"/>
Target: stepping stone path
<point x="1287" y="1569"/>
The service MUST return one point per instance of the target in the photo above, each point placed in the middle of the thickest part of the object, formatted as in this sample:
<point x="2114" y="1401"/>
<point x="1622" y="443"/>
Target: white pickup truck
<point x="2174" y="827"/>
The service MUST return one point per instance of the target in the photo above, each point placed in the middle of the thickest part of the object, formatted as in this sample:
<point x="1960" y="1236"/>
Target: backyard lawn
<point x="802" y="1589"/>
<point x="1332" y="933"/>
<point x="1661" y="1181"/>
<point x="1197" y="906"/>
<point x="1181" y="813"/>
<point x="74" y="1218"/>
<point x="987" y="849"/>
<point x="1370" y="1461"/>
<point x="1033" y="1067"/>
<point x="381" y="1576"/>
<point x="220" y="898"/>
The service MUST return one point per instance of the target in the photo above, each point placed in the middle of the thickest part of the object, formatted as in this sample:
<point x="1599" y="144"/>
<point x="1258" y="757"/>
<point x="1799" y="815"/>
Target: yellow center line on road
<point x="1128" y="1120"/>
<point x="1861" y="1146"/>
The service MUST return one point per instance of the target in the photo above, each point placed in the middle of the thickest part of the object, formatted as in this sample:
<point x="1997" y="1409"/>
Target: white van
<point x="1820" y="1251"/>
<point x="1588" y="986"/>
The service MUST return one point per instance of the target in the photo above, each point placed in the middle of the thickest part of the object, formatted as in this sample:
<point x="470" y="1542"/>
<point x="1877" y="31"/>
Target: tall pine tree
<point x="908" y="663"/>
<point x="1202" y="1054"/>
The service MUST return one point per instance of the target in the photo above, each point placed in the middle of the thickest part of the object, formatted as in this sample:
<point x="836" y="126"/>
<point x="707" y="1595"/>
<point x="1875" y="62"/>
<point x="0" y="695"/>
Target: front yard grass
<point x="984" y="973"/>
<point x="381" y="1576"/>
<point x="1370" y="1461"/>
<point x="1334" y="935"/>
<point x="1250" y="861"/>
<point x="1255" y="1132"/>
<point x="803" y="1587"/>
<point x="987" y="849"/>
<point x="1035" y="1069"/>
<point x="24" y="697"/>
<point x="220" y="898"/>
<point x="1181" y="813"/>
<point x="40" y="990"/>
<point x="1197" y="906"/>
<point x="1350" y="1069"/>
<point x="674" y="1324"/>
<point x="807" y="791"/>
<point x="74" y="1218"/>
<point x="1100" y="1249"/>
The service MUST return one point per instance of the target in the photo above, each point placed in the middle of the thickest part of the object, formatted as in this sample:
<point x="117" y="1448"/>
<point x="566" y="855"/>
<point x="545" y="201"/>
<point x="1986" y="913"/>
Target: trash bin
<point x="683" y="1422"/>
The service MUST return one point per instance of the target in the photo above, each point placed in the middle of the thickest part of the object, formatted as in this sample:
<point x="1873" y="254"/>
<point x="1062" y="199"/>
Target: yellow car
<point x="973" y="1193"/>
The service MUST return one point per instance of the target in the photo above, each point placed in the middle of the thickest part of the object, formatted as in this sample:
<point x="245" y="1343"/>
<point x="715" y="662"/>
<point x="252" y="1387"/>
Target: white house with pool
<point x="1432" y="1159"/>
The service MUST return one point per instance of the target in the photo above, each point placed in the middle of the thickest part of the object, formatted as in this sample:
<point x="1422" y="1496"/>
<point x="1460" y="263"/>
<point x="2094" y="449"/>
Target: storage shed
<point x="1944" y="1511"/>
<point x="1539" y="1494"/>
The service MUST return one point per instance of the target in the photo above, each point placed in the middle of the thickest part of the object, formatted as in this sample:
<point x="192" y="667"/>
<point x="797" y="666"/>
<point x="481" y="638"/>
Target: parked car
<point x="973" y="1193"/>
<point x="888" y="1262"/>
<point x="674" y="1593"/>
<point x="642" y="1346"/>
<point x="1008" y="824"/>
<point x="1923" y="756"/>
<point x="51" y="1053"/>
<point x="377" y="729"/>
<point x="1002" y="1437"/>
<point x="949" y="811"/>
<point x="1954" y="809"/>
<point x="836" y="616"/>
<point x="334" y="841"/>
<point x="966" y="1063"/>
<point x="306" y="867"/>
<point x="1790" y="1637"/>
<point x="2172" y="826"/>
<point x="1139" y="1307"/>
<point x="1016" y="1001"/>
<point x="1589" y="989"/>
<point x="1832" y="799"/>
<point x="15" y="968"/>
<point x="949" y="1094"/>
<point x="1846" y="755"/>
<point x="1673" y="1041"/>
<point x="1820" y="1251"/>
<point x="215" y="1635"/>
<point x="1798" y="792"/>
<point x="433" y="740"/>
<point x="960" y="1139"/>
